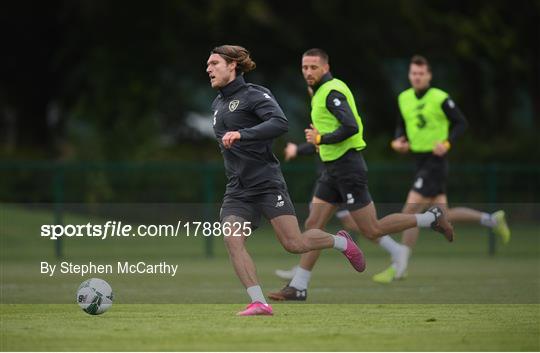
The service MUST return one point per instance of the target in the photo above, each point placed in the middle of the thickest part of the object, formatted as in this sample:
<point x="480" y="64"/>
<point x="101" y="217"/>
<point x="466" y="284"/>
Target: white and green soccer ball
<point x="95" y="296"/>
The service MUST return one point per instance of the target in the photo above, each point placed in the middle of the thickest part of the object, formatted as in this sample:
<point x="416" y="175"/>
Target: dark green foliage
<point x="115" y="80"/>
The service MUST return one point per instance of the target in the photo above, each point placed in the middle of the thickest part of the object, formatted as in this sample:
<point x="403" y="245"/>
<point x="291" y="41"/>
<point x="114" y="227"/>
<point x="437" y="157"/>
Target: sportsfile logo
<point x="102" y="231"/>
<point x="120" y="230"/>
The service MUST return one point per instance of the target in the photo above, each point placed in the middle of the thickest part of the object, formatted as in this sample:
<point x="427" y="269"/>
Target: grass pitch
<point x="456" y="298"/>
<point x="303" y="327"/>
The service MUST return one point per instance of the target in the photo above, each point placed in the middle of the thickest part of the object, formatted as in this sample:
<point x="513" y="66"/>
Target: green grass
<point x="307" y="327"/>
<point x="456" y="298"/>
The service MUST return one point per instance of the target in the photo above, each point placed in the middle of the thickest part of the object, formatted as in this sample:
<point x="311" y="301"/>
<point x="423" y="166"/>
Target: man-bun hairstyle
<point x="238" y="54"/>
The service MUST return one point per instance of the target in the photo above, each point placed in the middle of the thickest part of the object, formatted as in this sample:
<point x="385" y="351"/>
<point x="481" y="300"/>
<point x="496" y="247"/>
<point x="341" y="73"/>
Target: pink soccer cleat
<point x="256" y="308"/>
<point x="353" y="252"/>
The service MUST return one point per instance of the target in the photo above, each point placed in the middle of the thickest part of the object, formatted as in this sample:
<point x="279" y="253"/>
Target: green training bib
<point x="325" y="122"/>
<point x="425" y="121"/>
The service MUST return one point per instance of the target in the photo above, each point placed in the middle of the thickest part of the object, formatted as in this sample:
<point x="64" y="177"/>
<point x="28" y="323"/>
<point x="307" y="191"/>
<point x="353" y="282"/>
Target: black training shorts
<point x="431" y="174"/>
<point x="270" y="204"/>
<point x="344" y="182"/>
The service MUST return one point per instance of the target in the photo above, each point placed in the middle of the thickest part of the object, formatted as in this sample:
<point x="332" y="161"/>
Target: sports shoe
<point x="501" y="227"/>
<point x="353" y="252"/>
<point x="289" y="293"/>
<point x="286" y="274"/>
<point x="385" y="276"/>
<point x="256" y="308"/>
<point x="441" y="223"/>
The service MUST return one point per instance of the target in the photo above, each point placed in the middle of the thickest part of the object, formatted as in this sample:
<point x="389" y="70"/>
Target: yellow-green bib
<point x="425" y="121"/>
<point x="325" y="122"/>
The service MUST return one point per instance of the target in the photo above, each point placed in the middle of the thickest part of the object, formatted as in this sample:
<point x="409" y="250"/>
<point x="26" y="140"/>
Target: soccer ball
<point x="95" y="296"/>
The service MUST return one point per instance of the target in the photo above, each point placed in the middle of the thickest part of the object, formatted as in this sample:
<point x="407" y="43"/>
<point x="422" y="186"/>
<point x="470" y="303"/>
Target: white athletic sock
<point x="425" y="219"/>
<point x="340" y="243"/>
<point x="487" y="220"/>
<point x="401" y="261"/>
<point x="390" y="245"/>
<point x="301" y="279"/>
<point x="256" y="294"/>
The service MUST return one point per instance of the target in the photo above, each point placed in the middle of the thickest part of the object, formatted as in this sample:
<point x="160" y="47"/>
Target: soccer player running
<point x="246" y="120"/>
<point x="430" y="123"/>
<point x="291" y="151"/>
<point x="338" y="133"/>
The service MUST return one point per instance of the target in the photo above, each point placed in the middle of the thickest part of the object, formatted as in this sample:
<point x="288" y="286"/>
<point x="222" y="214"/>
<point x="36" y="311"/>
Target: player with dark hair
<point x="337" y="131"/>
<point x="247" y="119"/>
<point x="428" y="126"/>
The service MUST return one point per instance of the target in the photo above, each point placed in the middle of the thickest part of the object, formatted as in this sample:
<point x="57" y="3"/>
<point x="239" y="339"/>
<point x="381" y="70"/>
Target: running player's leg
<point x="296" y="289"/>
<point x="240" y="259"/>
<point x="496" y="221"/>
<point x="429" y="184"/>
<point x="346" y="219"/>
<point x="317" y="220"/>
<point x="351" y="182"/>
<point x="326" y="196"/>
<point x="288" y="232"/>
<point x="370" y="226"/>
<point x="276" y="206"/>
<point x="319" y="214"/>
<point x="355" y="191"/>
<point x="240" y="218"/>
<point x="245" y="267"/>
<point x="395" y="249"/>
<point x="289" y="235"/>
<point x="415" y="203"/>
<point x="464" y="214"/>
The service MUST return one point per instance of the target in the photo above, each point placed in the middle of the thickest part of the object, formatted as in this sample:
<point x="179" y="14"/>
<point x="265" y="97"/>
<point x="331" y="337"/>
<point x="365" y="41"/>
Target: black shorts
<point x="344" y="182"/>
<point x="431" y="175"/>
<point x="270" y="204"/>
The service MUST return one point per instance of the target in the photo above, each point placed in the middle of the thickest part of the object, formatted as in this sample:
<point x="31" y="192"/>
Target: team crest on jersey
<point x="233" y="105"/>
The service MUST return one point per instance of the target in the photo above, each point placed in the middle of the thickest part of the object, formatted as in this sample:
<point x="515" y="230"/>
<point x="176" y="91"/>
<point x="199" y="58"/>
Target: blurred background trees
<point x="125" y="80"/>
